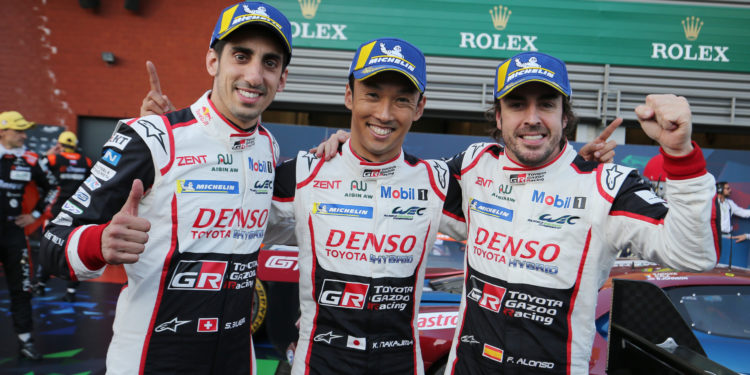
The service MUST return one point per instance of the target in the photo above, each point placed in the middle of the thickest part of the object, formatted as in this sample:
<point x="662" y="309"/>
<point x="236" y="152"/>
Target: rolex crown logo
<point x="308" y="7"/>
<point x="500" y="16"/>
<point x="692" y="26"/>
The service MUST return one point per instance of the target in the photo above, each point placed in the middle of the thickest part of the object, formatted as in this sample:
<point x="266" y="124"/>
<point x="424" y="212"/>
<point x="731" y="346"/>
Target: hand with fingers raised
<point x="155" y="103"/>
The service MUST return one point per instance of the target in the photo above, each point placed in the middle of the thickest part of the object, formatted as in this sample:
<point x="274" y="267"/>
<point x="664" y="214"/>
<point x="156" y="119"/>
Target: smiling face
<point x="532" y="124"/>
<point x="247" y="75"/>
<point x="383" y="108"/>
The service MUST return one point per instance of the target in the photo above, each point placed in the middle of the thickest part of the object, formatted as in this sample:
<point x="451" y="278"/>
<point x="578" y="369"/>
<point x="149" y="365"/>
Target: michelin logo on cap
<point x="243" y="13"/>
<point x="390" y="54"/>
<point x="531" y="67"/>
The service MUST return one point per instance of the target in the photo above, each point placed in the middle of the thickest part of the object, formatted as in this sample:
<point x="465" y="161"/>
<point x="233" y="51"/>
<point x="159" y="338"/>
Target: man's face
<point x="532" y="123"/>
<point x="247" y="76"/>
<point x="383" y="109"/>
<point x="13" y="138"/>
<point x="727" y="190"/>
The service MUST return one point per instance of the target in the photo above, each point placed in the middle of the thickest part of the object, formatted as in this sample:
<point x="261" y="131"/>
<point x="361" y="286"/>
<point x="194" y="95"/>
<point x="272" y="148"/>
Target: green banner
<point x="596" y="32"/>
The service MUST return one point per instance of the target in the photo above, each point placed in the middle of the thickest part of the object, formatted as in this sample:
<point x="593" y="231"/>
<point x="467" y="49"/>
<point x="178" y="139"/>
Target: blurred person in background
<point x="70" y="168"/>
<point x="18" y="168"/>
<point x="728" y="208"/>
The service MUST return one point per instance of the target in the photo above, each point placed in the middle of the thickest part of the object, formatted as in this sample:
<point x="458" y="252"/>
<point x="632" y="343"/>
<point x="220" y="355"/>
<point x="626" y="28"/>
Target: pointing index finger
<point x="153" y="78"/>
<point x="609" y="130"/>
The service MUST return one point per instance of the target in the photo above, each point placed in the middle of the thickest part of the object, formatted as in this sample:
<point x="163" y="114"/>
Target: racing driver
<point x="363" y="222"/>
<point x="545" y="226"/>
<point x="190" y="278"/>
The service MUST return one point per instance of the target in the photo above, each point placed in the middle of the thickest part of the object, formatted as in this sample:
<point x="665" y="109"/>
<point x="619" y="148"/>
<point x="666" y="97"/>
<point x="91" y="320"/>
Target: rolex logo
<point x="500" y="16"/>
<point x="308" y="7"/>
<point x="692" y="26"/>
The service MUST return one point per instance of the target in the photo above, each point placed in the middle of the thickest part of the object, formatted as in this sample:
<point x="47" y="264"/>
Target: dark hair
<point x="567" y="112"/>
<point x="720" y="186"/>
<point x="351" y="87"/>
<point x="220" y="44"/>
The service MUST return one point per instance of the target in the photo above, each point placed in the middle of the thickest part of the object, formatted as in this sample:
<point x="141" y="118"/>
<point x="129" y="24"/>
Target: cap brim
<point x="26" y="126"/>
<point x="258" y="22"/>
<point x="372" y="70"/>
<point x="530" y="78"/>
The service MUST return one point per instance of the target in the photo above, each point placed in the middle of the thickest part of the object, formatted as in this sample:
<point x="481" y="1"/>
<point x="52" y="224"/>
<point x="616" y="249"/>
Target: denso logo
<point x="362" y="241"/>
<point x="487" y="295"/>
<point x="198" y="275"/>
<point x="401" y="193"/>
<point x="343" y="294"/>
<point x="522" y="247"/>
<point x="558" y="201"/>
<point x="326" y="185"/>
<point x="230" y="218"/>
<point x="262" y="166"/>
<point x="191" y="160"/>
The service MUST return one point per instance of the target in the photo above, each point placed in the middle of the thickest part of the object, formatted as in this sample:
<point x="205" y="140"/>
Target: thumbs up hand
<point x="126" y="235"/>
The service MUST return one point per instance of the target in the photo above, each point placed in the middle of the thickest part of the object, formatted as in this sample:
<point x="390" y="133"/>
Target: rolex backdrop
<point x="602" y="32"/>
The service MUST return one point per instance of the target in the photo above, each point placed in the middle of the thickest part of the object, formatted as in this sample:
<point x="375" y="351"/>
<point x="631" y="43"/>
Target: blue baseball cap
<point x="256" y="12"/>
<point x="392" y="54"/>
<point x="531" y="67"/>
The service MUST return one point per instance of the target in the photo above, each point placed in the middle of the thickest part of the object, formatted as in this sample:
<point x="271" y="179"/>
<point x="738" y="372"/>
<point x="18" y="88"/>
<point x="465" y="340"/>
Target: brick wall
<point x="51" y="65"/>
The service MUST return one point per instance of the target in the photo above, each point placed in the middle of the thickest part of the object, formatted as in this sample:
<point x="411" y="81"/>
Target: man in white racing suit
<point x="363" y="222"/>
<point x="190" y="243"/>
<point x="544" y="225"/>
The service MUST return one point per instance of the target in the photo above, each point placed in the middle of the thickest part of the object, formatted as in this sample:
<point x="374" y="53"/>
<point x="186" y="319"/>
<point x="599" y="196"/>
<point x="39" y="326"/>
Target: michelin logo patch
<point x="491" y="210"/>
<point x="364" y="212"/>
<point x="207" y="186"/>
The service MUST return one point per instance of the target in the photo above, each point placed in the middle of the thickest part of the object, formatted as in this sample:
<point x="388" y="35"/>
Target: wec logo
<point x="343" y="294"/>
<point x="198" y="275"/>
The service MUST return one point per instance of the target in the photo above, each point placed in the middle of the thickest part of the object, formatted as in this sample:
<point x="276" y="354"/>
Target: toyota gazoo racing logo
<point x="387" y="297"/>
<point x="522" y="178"/>
<point x="486" y="295"/>
<point x="343" y="294"/>
<point x="242" y="144"/>
<point x="538" y="309"/>
<point x="206" y="275"/>
<point x="383" y="172"/>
